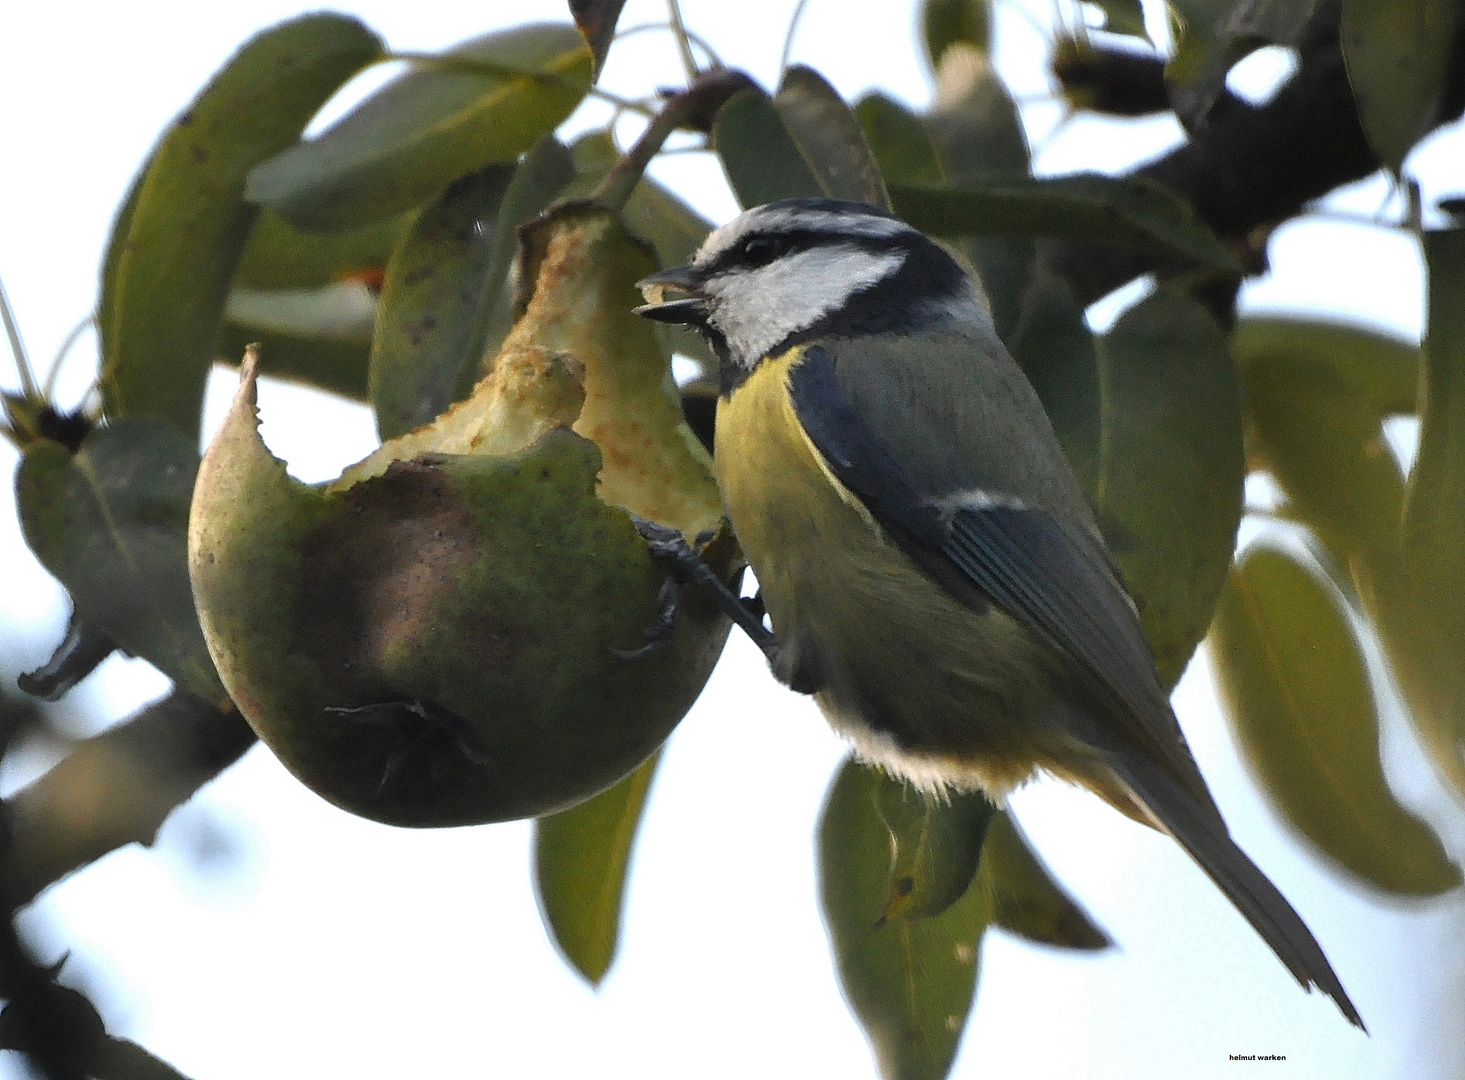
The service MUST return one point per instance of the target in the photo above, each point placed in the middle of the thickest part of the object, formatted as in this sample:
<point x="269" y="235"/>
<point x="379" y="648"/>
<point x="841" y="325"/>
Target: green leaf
<point x="762" y="161"/>
<point x="164" y="287"/>
<point x="976" y="130"/>
<point x="1315" y="424"/>
<point x="117" y="241"/>
<point x="432" y="126"/>
<point x="1421" y="616"/>
<point x="1129" y="212"/>
<point x="902" y="147"/>
<point x="1123" y="17"/>
<point x="596" y="20"/>
<point x="1299" y="700"/>
<point x="1434" y="509"/>
<point x="1397" y="53"/>
<point x="1212" y="35"/>
<point x="1170" y="471"/>
<point x="278" y="257"/>
<point x="434" y="288"/>
<point x="1026" y="901"/>
<point x="1053" y="345"/>
<point x="328" y="362"/>
<point x="909" y="983"/>
<point x="829" y="134"/>
<point x="1384" y="370"/>
<point x="1317" y="430"/>
<point x="948" y="22"/>
<point x="581" y="857"/>
<point x="973" y="121"/>
<point x="111" y="524"/>
<point x="935" y="846"/>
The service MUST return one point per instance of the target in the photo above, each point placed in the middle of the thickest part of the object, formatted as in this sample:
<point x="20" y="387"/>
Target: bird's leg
<point x="670" y="547"/>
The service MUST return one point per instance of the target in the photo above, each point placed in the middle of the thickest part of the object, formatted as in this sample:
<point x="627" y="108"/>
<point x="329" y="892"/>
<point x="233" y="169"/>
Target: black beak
<point x="690" y="310"/>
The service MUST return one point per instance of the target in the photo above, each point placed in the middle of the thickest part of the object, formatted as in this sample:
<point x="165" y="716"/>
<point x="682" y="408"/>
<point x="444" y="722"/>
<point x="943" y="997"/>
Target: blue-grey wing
<point x="1054" y="577"/>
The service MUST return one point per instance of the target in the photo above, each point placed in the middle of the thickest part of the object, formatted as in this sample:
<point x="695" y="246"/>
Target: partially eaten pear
<point x="441" y="636"/>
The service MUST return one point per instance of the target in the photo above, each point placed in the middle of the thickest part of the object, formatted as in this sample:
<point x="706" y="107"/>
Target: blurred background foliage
<point x="377" y="260"/>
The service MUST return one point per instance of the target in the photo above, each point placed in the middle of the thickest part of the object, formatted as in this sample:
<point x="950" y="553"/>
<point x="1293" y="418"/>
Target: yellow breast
<point x="920" y="682"/>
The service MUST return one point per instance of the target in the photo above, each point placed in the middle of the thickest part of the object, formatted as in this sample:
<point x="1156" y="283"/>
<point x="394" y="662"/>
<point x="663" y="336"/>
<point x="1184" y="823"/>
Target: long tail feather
<point x="1204" y="836"/>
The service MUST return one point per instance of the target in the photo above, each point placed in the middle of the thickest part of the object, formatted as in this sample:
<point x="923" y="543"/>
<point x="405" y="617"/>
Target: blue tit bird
<point x="930" y="565"/>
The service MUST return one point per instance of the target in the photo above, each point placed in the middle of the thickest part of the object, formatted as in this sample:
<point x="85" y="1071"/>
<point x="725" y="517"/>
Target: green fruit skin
<point x="435" y="646"/>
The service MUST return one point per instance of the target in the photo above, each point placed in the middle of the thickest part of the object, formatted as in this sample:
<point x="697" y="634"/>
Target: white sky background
<point x="330" y="946"/>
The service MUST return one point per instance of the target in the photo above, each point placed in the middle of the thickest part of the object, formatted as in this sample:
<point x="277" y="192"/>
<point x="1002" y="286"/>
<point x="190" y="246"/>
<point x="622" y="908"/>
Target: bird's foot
<point x="686" y="567"/>
<point x="659" y="633"/>
<point x="423" y="732"/>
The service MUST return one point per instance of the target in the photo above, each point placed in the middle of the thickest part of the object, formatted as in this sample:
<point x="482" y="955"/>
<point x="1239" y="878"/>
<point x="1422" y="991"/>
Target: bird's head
<point x="811" y="269"/>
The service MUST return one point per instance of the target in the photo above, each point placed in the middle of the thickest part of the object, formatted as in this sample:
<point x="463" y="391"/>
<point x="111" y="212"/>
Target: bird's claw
<point x="438" y="727"/>
<point x="659" y="633"/>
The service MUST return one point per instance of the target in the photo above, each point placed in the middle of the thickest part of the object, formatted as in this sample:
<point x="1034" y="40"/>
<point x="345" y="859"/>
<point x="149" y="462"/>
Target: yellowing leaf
<point x="1397" y="53"/>
<point x="581" y="858"/>
<point x="1299" y="700"/>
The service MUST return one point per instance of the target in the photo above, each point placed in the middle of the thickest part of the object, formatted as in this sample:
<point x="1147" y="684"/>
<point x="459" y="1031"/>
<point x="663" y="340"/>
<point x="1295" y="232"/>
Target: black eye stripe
<point x="760" y="249"/>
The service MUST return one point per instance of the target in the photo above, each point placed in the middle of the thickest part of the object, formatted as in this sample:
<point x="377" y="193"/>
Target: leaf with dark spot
<point x="909" y="983"/>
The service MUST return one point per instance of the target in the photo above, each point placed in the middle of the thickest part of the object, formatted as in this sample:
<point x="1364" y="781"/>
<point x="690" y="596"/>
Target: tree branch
<point x="1251" y="167"/>
<point x="118" y="788"/>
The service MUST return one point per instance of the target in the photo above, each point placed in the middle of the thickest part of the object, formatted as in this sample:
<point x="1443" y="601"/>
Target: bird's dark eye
<point x="761" y="250"/>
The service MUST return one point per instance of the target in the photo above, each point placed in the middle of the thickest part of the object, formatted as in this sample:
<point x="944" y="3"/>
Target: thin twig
<point x="28" y="385"/>
<point x="713" y="59"/>
<point x="788" y="39"/>
<point x="1343" y="217"/>
<point x="117" y="788"/>
<point x="700" y="100"/>
<point x="684" y="44"/>
<point x="70" y="340"/>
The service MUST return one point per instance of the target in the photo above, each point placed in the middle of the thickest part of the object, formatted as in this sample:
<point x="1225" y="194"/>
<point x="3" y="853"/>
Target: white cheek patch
<point x="756" y="309"/>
